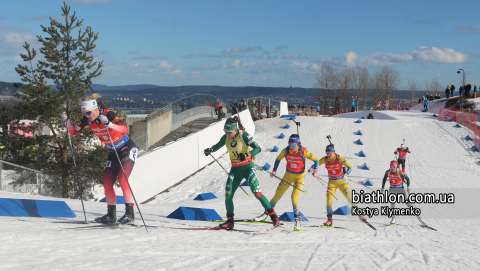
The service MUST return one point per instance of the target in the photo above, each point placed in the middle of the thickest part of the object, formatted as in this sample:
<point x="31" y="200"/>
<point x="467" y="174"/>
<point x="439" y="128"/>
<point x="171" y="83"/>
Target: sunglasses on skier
<point x="292" y="145"/>
<point x="228" y="132"/>
<point x="87" y="113"/>
<point x="393" y="166"/>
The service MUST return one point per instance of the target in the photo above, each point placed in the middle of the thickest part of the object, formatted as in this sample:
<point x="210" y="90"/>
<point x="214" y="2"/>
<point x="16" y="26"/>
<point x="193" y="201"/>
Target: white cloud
<point x="433" y="54"/>
<point x="207" y="54"/>
<point x="294" y="56"/>
<point x="12" y="39"/>
<point x="17" y="59"/>
<point x="279" y="49"/>
<point x="421" y="54"/>
<point x="154" y="56"/>
<point x="235" y="52"/>
<point x="470" y="29"/>
<point x="166" y="65"/>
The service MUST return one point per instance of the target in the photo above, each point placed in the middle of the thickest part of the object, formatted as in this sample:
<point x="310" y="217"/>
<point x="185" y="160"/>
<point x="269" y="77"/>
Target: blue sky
<point x="257" y="43"/>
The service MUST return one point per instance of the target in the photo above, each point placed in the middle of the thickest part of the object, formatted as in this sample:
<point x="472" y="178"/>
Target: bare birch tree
<point x="364" y="85"/>
<point x="413" y="86"/>
<point x="344" y="86"/>
<point x="435" y="86"/>
<point x="326" y="83"/>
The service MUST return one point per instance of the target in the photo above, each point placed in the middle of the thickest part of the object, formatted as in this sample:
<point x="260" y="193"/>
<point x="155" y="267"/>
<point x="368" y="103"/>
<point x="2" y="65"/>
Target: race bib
<point x="133" y="154"/>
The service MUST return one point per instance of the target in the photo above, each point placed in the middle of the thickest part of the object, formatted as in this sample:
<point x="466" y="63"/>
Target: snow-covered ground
<point x="439" y="160"/>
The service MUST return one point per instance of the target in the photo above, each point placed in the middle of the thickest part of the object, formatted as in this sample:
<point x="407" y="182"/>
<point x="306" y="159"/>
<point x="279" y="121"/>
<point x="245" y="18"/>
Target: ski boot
<point x="392" y="222"/>
<point x="297" y="223"/>
<point x="228" y="225"/>
<point x="329" y="222"/>
<point x="129" y="215"/>
<point x="110" y="217"/>
<point x="261" y="217"/>
<point x="274" y="217"/>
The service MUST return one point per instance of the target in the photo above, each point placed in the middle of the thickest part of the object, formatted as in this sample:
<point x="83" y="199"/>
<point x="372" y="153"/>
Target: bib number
<point x="133" y="154"/>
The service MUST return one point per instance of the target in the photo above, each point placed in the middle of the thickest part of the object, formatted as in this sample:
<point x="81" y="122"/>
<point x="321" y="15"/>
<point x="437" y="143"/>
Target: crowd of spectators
<point x="429" y="97"/>
<point x="464" y="90"/>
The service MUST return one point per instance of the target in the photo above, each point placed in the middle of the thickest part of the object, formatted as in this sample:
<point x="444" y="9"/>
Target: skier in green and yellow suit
<point x="238" y="143"/>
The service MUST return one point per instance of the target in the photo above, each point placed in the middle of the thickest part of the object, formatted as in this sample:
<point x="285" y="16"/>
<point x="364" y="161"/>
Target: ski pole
<point x="322" y="182"/>
<point x="227" y="173"/>
<point x="304" y="191"/>
<point x="298" y="125"/>
<point x="329" y="137"/>
<point x="76" y="173"/>
<point x="360" y="184"/>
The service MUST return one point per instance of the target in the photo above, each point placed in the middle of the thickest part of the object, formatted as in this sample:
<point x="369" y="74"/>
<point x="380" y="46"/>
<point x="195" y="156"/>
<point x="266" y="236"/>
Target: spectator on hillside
<point x="318" y="109"/>
<point x="431" y="97"/>
<point x="425" y="105"/>
<point x="475" y="92"/>
<point x="460" y="89"/>
<point x="452" y="88"/>
<point x="447" y="91"/>
<point x="234" y="106"/>
<point x="243" y="105"/>
<point x="398" y="104"/>
<point x="468" y="88"/>
<point x="353" y="106"/>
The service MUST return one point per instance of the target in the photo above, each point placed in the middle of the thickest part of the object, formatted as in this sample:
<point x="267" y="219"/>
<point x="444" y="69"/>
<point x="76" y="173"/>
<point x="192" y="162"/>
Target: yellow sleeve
<point x="281" y="155"/>
<point x="321" y="161"/>
<point x="344" y="162"/>
<point x="279" y="158"/>
<point x="309" y="156"/>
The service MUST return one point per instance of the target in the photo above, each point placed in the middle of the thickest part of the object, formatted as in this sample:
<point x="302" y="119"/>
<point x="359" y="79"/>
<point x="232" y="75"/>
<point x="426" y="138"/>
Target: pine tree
<point x="68" y="62"/>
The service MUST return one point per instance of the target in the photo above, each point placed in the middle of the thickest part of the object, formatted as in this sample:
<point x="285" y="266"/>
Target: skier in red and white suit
<point x="402" y="156"/>
<point x="100" y="121"/>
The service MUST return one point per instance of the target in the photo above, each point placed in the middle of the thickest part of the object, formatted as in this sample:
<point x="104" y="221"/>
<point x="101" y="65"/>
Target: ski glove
<point x="104" y="119"/>
<point x="243" y="156"/>
<point x="64" y="117"/>
<point x="208" y="151"/>
<point x="315" y="173"/>
<point x="273" y="173"/>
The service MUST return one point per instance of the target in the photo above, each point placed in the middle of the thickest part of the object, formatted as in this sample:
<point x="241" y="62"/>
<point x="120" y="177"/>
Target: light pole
<point x="463" y="76"/>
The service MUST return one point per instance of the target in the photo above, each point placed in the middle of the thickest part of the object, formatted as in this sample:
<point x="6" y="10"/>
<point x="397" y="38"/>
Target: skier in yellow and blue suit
<point x="295" y="155"/>
<point x="338" y="169"/>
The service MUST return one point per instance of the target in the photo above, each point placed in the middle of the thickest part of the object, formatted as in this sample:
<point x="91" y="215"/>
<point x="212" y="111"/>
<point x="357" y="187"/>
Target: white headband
<point x="89" y="105"/>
